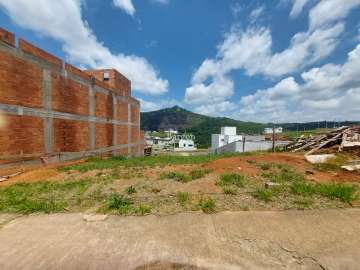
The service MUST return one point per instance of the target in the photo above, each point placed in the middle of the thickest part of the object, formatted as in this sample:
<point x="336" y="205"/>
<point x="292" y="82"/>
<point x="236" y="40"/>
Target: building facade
<point x="51" y="108"/>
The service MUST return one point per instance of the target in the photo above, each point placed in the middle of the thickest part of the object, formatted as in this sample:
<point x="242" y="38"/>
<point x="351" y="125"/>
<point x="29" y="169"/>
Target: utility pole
<point x="273" y="139"/>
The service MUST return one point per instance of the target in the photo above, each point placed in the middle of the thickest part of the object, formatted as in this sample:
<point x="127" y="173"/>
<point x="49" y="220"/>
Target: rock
<point x="309" y="172"/>
<point x="94" y="218"/>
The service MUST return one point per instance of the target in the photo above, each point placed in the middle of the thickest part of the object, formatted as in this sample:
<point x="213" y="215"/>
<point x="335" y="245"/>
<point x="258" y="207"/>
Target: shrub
<point x="197" y="174"/>
<point x="118" y="202"/>
<point x="207" y="205"/>
<point x="183" y="197"/>
<point x="130" y="190"/>
<point x="263" y="195"/>
<point x="232" y="179"/>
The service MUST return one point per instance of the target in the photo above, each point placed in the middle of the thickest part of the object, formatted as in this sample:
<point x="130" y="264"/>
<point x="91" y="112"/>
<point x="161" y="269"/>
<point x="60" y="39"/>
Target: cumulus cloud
<point x="218" y="109"/>
<point x="125" y="5"/>
<point x="250" y="50"/>
<point x="325" y="91"/>
<point x="256" y="13"/>
<point x="62" y="21"/>
<point x="298" y="6"/>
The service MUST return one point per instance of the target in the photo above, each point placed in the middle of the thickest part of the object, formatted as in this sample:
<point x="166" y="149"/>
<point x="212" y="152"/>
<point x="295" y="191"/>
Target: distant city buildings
<point x="170" y="140"/>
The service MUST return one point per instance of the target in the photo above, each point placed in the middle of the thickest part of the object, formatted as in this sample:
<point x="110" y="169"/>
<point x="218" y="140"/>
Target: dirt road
<point x="322" y="239"/>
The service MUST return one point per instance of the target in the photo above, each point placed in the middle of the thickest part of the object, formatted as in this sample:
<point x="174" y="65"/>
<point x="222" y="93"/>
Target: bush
<point x="231" y="179"/>
<point x="183" y="197"/>
<point x="119" y="202"/>
<point x="130" y="190"/>
<point x="263" y="195"/>
<point x="207" y="205"/>
<point x="197" y="174"/>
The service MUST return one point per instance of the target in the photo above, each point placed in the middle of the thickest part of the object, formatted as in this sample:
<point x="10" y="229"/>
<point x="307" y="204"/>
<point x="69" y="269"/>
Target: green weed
<point x="177" y="176"/>
<point x="207" y="205"/>
<point x="130" y="190"/>
<point x="229" y="190"/>
<point x="231" y="179"/>
<point x="263" y="195"/>
<point x="183" y="197"/>
<point x="143" y="209"/>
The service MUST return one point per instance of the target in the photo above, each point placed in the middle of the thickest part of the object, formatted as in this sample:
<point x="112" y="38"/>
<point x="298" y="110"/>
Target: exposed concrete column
<point x="114" y="125"/>
<point x="129" y="128"/>
<point x="48" y="121"/>
<point x="91" y="115"/>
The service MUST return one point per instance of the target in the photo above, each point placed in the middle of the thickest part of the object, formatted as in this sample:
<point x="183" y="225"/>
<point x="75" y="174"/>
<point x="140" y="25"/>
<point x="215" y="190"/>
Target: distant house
<point x="270" y="130"/>
<point x="227" y="136"/>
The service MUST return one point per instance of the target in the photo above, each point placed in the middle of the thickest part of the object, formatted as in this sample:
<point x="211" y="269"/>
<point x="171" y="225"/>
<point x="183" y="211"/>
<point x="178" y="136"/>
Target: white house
<point x="270" y="130"/>
<point x="185" y="145"/>
<point x="227" y="136"/>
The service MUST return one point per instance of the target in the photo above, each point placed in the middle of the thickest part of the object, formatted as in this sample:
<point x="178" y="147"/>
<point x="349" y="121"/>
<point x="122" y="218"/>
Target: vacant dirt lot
<point x="168" y="185"/>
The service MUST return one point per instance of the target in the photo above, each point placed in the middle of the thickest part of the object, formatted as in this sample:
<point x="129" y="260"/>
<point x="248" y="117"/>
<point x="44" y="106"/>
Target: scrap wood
<point x="324" y="143"/>
<point x="7" y="177"/>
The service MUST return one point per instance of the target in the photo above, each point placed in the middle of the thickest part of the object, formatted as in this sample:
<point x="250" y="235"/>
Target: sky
<point x="264" y="61"/>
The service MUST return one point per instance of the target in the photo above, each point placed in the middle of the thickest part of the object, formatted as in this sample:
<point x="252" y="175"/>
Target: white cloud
<point x="250" y="50"/>
<point x="328" y="92"/>
<point x="236" y="8"/>
<point x="125" y="5"/>
<point x="148" y="106"/>
<point x="62" y="20"/>
<point x="298" y="6"/>
<point x="129" y="8"/>
<point x="330" y="11"/>
<point x="217" y="109"/>
<point x="256" y="13"/>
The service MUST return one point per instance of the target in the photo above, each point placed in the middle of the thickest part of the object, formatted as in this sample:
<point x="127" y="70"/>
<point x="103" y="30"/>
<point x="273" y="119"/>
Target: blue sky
<point x="286" y="60"/>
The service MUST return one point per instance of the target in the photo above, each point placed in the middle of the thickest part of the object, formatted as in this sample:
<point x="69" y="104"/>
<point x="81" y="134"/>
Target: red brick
<point x="134" y="134"/>
<point x="31" y="49"/>
<point x="21" y="135"/>
<point x="76" y="71"/>
<point x="69" y="96"/>
<point x="122" y="134"/>
<point x="20" y="82"/>
<point x="71" y="136"/>
<point x="122" y="111"/>
<point x="103" y="105"/>
<point x="8" y="37"/>
<point x="104" y="135"/>
<point x="135" y="114"/>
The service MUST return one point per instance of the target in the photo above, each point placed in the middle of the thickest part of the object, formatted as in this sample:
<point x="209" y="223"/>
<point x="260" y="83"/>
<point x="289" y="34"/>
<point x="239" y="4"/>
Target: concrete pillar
<point x="114" y="125"/>
<point x="129" y="129"/>
<point x="91" y="114"/>
<point x="48" y="121"/>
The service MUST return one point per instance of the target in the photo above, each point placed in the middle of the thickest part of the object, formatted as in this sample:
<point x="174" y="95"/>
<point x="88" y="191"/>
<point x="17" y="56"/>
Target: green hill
<point x="200" y="125"/>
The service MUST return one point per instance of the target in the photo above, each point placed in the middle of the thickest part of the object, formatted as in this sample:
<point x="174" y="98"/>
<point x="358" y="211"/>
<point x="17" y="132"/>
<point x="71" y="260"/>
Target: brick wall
<point x="21" y="135"/>
<point x="53" y="107"/>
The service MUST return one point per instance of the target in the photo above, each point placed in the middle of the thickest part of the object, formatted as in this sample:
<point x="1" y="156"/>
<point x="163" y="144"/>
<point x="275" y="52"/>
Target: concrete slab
<point x="322" y="239"/>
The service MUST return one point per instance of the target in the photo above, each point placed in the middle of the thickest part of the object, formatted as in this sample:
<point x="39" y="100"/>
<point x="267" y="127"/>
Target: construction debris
<point x="337" y="140"/>
<point x="352" y="166"/>
<point x="314" y="159"/>
<point x="7" y="177"/>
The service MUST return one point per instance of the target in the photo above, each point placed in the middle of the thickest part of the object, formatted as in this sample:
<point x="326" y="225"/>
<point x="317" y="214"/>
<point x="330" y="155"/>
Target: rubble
<point x="338" y="140"/>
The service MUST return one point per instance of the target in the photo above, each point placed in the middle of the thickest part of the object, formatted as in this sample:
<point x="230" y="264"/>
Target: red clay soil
<point x="247" y="166"/>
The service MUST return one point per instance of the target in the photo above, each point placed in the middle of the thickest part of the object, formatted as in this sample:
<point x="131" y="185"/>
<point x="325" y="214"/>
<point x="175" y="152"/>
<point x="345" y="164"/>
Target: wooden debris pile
<point x="337" y="140"/>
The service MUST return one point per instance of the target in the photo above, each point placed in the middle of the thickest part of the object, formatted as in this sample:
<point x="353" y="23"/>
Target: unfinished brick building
<point x="50" y="108"/>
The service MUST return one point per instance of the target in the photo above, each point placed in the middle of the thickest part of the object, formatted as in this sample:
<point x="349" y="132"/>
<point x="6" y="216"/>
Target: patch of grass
<point x="96" y="163"/>
<point x="197" y="174"/>
<point x="229" y="190"/>
<point x="119" y="202"/>
<point x="207" y="205"/>
<point x="183" y="197"/>
<point x="303" y="188"/>
<point x="263" y="195"/>
<point x="344" y="193"/>
<point x="231" y="179"/>
<point x="282" y="174"/>
<point x="143" y="209"/>
<point x="177" y="176"/>
<point x="43" y="196"/>
<point x="130" y="190"/>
